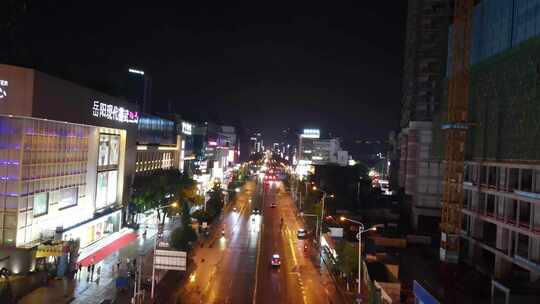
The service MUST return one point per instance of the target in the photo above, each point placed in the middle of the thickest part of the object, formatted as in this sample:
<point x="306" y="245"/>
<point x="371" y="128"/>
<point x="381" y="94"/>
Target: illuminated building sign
<point x="112" y="112"/>
<point x="186" y="128"/>
<point x="311" y="133"/>
<point x="3" y="89"/>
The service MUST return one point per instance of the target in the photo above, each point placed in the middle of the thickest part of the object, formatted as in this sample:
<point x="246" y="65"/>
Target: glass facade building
<point x="67" y="159"/>
<point x="47" y="177"/>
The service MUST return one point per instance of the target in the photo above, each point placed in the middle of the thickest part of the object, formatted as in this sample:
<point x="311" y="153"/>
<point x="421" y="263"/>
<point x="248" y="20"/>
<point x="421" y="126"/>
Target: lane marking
<point x="259" y="241"/>
<point x="293" y="253"/>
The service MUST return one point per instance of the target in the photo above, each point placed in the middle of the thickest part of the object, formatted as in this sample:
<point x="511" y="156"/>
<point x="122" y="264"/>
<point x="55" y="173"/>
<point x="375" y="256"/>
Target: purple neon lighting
<point x="12" y="194"/>
<point x="9" y="162"/>
<point x="53" y="134"/>
<point x="10" y="146"/>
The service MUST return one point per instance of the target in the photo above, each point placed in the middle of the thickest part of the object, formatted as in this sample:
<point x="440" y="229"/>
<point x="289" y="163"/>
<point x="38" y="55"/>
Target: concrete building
<point x="256" y="143"/>
<point x="501" y="214"/>
<point x="306" y="142"/>
<point x="218" y="151"/>
<point x="423" y="75"/>
<point x="67" y="159"/>
<point x="328" y="151"/>
<point x="158" y="145"/>
<point x="184" y="129"/>
<point x="186" y="145"/>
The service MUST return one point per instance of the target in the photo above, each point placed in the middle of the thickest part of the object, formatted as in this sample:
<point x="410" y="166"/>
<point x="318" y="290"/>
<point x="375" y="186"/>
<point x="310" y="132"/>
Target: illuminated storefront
<point x="67" y="156"/>
<point x="158" y="146"/>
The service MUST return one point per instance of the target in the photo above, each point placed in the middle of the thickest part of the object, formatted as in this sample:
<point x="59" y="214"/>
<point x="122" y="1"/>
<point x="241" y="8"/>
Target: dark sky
<point x="264" y="66"/>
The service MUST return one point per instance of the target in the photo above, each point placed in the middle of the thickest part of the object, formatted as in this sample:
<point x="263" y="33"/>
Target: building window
<point x="41" y="204"/>
<point x="513" y="179"/>
<point x="103" y="158"/>
<point x="523" y="246"/>
<point x="67" y="197"/>
<point x="114" y="149"/>
<point x="107" y="177"/>
<point x="109" y="150"/>
<point x="106" y="188"/>
<point x="526" y="180"/>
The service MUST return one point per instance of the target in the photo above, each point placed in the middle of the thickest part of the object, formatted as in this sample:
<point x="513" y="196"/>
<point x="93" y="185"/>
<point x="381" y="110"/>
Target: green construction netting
<point x="504" y="107"/>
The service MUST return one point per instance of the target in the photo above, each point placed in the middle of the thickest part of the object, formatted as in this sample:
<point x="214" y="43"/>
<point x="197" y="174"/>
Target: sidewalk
<point x="85" y="288"/>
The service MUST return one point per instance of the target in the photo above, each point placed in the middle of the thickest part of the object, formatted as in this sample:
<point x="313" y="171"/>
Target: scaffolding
<point x="455" y="130"/>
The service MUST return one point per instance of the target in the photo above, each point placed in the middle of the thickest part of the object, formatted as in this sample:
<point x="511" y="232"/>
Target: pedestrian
<point x="118" y="265"/>
<point x="98" y="271"/>
<point x="92" y="272"/>
<point x="80" y="268"/>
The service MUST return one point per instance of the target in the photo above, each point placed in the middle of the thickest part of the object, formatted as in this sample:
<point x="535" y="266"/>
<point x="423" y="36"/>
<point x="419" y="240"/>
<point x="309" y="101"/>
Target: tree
<point x="215" y="202"/>
<point x="201" y="216"/>
<point x="147" y="192"/>
<point x="347" y="258"/>
<point x="182" y="236"/>
<point x="186" y="217"/>
<point x="161" y="188"/>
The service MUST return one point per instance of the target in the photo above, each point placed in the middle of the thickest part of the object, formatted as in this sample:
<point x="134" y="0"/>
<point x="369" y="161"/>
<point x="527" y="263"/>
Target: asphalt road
<point x="299" y="279"/>
<point x="225" y="266"/>
<point x="236" y="268"/>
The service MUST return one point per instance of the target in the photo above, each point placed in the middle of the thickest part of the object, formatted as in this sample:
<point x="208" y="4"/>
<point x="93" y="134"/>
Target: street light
<point x="134" y="71"/>
<point x="174" y="205"/>
<point x="361" y="230"/>
<point x="322" y="214"/>
<point x="147" y="86"/>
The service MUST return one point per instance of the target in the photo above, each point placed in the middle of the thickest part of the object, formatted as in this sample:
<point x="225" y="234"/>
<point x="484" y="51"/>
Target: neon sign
<point x="311" y="133"/>
<point x="112" y="112"/>
<point x="3" y="88"/>
<point x="186" y="128"/>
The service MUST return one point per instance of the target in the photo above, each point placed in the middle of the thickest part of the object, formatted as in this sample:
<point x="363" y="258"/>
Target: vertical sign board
<point x="3" y="90"/>
<point x="422" y="296"/>
<point x="170" y="259"/>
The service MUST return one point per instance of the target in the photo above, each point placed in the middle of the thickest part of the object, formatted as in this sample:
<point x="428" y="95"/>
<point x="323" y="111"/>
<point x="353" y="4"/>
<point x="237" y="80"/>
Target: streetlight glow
<point x="134" y="71"/>
<point x="174" y="205"/>
<point x="343" y="218"/>
<point x="314" y="188"/>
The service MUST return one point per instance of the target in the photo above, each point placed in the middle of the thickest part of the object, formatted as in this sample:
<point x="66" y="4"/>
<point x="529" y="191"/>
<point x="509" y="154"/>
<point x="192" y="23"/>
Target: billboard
<point x="170" y="259"/>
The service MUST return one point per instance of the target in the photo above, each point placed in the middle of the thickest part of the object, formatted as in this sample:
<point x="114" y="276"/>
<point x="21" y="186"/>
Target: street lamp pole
<point x="155" y="247"/>
<point x="305" y="194"/>
<point x="322" y="217"/>
<point x="361" y="230"/>
<point x="147" y="87"/>
<point x="323" y="200"/>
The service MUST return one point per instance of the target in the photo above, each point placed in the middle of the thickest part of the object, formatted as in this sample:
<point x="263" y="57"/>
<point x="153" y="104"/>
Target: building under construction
<point x="500" y="223"/>
<point x="423" y="81"/>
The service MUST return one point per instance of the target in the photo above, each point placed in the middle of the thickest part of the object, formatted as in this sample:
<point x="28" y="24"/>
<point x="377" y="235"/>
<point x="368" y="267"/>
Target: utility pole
<point x="322" y="219"/>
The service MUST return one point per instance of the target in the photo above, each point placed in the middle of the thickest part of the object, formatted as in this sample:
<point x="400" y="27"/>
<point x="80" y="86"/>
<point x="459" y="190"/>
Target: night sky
<point x="265" y="66"/>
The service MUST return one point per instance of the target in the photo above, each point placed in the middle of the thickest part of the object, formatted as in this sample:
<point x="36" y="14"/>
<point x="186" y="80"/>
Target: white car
<point x="301" y="233"/>
<point x="276" y="260"/>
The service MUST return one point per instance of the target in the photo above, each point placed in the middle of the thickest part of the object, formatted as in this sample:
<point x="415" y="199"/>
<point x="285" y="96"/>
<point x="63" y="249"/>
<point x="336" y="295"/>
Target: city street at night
<point x="214" y="152"/>
<point x="237" y="268"/>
